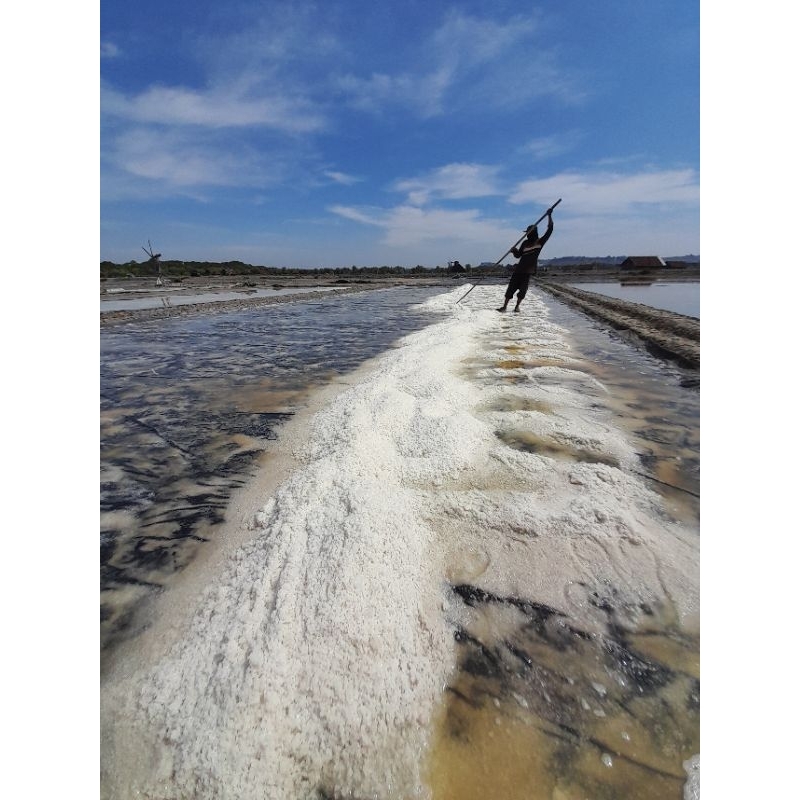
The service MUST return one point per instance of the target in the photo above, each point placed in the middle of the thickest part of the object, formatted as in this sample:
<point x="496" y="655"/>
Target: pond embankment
<point x="665" y="333"/>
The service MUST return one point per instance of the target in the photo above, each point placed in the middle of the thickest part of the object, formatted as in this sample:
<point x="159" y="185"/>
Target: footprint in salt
<point x="468" y="565"/>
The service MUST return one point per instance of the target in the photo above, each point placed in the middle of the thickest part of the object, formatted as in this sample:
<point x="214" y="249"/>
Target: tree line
<point x="194" y="269"/>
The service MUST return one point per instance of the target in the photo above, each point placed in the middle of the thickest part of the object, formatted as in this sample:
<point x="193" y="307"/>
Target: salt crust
<point x="691" y="789"/>
<point x="318" y="654"/>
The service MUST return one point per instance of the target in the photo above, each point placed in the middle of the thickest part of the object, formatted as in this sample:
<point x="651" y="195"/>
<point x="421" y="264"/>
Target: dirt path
<point x="665" y="333"/>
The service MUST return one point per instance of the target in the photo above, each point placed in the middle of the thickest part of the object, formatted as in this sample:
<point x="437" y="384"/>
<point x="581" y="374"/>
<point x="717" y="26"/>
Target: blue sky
<point x="368" y="133"/>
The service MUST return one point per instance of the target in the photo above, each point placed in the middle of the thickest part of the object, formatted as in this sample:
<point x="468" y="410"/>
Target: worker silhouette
<point x="528" y="255"/>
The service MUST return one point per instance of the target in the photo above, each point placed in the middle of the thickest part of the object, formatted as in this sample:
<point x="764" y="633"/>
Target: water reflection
<point x="682" y="298"/>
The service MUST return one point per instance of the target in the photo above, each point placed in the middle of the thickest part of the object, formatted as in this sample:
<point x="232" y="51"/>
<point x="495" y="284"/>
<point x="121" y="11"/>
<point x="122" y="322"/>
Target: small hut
<point x="643" y="262"/>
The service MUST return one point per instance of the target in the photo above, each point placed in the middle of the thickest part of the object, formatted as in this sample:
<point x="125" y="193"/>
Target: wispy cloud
<point x="367" y="216"/>
<point x="341" y="177"/>
<point x="218" y="108"/>
<point x="109" y="50"/>
<point x="479" y="40"/>
<point x="424" y="93"/>
<point x="279" y="40"/>
<point x="648" y="232"/>
<point x="544" y="147"/>
<point x="613" y="192"/>
<point x="451" y="182"/>
<point x="277" y="76"/>
<point x="467" y="62"/>
<point x="176" y="164"/>
<point x="408" y="226"/>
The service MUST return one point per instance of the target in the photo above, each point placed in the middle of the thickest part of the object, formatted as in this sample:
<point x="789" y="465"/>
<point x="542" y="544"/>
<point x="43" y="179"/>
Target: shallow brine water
<point x="507" y="507"/>
<point x="680" y="297"/>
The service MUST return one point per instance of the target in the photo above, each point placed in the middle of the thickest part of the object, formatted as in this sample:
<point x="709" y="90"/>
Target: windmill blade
<point x="150" y="254"/>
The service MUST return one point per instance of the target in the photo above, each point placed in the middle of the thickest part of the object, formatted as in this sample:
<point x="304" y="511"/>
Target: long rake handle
<point x="510" y="248"/>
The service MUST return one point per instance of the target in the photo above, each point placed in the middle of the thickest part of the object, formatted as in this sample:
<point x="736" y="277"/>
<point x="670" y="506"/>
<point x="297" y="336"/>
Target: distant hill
<point x="574" y="260"/>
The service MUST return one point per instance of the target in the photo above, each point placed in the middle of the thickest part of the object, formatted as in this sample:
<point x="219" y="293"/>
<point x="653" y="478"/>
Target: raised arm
<point x="549" y="228"/>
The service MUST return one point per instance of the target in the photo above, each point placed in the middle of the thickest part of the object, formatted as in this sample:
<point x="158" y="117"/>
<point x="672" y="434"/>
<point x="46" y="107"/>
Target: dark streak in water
<point x="539" y="671"/>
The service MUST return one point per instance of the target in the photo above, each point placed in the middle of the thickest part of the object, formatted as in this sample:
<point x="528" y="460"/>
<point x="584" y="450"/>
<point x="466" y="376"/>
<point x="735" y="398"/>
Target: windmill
<point x="155" y="259"/>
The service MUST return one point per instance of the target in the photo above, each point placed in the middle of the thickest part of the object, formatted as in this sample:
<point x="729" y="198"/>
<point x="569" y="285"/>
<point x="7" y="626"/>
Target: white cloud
<point x="612" y="193"/>
<point x="184" y="138"/>
<point x="648" y="213"/>
<point x="370" y="216"/>
<point x="413" y="225"/>
<point x="177" y="164"/>
<point x="406" y="226"/>
<point x="651" y="212"/>
<point x="221" y="108"/>
<point x="451" y="182"/>
<point x="669" y="232"/>
<point x="271" y="72"/>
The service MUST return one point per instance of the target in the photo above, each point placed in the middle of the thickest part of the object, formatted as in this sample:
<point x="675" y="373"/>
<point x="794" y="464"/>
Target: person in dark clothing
<point x="528" y="255"/>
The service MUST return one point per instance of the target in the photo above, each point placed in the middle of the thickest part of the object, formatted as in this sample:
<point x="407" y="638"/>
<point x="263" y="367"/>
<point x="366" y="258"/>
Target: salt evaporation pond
<point x="501" y="505"/>
<point x="678" y="296"/>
